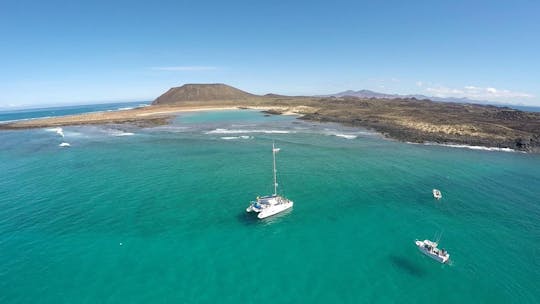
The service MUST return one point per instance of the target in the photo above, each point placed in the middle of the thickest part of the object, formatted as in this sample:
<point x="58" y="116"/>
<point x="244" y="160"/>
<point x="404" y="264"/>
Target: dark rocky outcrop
<point x="405" y="118"/>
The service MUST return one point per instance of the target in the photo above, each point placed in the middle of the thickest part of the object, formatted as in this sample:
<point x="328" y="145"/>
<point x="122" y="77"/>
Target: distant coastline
<point x="19" y="114"/>
<point x="408" y="120"/>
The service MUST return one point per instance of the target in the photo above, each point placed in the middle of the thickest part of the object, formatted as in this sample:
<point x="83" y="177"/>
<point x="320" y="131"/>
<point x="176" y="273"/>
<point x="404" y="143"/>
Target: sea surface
<point x="157" y="215"/>
<point x="526" y="108"/>
<point x="21" y="114"/>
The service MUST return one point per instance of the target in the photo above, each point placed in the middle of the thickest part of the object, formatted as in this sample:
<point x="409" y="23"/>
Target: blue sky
<point x="59" y="52"/>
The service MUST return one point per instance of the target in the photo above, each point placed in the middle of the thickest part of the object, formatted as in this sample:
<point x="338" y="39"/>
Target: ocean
<point x="21" y="114"/>
<point x="526" y="108"/>
<point x="157" y="215"/>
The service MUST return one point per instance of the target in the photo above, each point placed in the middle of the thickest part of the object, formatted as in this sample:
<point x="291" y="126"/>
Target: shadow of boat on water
<point x="407" y="266"/>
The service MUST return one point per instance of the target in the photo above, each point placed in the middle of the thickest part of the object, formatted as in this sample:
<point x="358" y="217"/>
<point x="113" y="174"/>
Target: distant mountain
<point x="202" y="92"/>
<point x="222" y="92"/>
<point x="365" y="94"/>
<point x="372" y="94"/>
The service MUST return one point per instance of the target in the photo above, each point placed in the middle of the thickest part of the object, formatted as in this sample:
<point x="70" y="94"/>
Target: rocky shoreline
<point x="408" y="120"/>
<point x="472" y="125"/>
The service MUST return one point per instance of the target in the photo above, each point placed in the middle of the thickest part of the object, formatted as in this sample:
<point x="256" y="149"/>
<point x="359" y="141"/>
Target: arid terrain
<point x="409" y="120"/>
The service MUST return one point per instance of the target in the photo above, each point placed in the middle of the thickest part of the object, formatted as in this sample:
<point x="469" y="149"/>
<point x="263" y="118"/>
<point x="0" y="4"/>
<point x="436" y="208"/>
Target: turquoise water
<point x="157" y="216"/>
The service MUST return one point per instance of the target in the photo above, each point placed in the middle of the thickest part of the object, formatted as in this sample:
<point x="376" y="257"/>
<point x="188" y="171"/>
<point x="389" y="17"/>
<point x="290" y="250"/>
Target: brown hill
<point x="201" y="92"/>
<point x="406" y="119"/>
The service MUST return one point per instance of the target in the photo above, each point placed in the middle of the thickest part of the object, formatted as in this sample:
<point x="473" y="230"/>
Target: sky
<point x="73" y="52"/>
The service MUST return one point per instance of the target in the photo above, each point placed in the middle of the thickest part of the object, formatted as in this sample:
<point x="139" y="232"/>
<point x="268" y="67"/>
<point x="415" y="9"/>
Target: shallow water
<point x="159" y="216"/>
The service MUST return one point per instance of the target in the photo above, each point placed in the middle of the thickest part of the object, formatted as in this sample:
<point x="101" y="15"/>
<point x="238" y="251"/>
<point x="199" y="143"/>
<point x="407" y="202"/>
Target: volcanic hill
<point x="406" y="119"/>
<point x="201" y="92"/>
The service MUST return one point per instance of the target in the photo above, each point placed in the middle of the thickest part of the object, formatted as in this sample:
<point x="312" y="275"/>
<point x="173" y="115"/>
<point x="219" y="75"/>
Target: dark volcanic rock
<point x="403" y="118"/>
<point x="510" y="115"/>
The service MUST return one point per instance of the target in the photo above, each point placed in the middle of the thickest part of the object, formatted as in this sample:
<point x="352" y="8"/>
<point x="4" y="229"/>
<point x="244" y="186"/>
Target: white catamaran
<point x="271" y="204"/>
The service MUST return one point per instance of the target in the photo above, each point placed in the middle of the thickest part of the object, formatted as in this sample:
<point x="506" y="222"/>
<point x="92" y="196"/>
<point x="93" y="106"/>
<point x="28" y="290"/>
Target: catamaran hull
<point x="274" y="210"/>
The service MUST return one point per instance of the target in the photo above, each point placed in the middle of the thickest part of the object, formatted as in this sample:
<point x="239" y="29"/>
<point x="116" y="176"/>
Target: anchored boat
<point x="437" y="193"/>
<point x="430" y="249"/>
<point x="271" y="204"/>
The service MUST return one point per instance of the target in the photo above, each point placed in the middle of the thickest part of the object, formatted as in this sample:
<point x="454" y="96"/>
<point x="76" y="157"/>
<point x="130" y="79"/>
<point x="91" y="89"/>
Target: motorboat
<point x="437" y="193"/>
<point x="430" y="249"/>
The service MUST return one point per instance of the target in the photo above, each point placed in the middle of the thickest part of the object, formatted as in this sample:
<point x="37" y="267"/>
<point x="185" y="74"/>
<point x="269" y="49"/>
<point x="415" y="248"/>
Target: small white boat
<point x="430" y="249"/>
<point x="64" y="144"/>
<point x="437" y="193"/>
<point x="272" y="204"/>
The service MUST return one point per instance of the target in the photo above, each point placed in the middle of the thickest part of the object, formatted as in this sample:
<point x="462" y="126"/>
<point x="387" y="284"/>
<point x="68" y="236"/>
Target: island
<point x="404" y="119"/>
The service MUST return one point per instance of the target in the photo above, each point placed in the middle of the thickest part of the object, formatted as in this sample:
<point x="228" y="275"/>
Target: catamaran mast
<point x="275" y="178"/>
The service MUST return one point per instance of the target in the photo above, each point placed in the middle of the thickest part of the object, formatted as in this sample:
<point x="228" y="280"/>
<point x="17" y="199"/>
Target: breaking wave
<point x="142" y="105"/>
<point x="58" y="131"/>
<point x="227" y="131"/>
<point x="346" y="136"/>
<point x="119" y="133"/>
<point x="471" y="147"/>
<point x="237" y="137"/>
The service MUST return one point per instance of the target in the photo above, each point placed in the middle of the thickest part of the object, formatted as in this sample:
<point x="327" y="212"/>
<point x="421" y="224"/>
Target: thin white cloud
<point x="185" y="68"/>
<point x="474" y="92"/>
<point x="419" y="83"/>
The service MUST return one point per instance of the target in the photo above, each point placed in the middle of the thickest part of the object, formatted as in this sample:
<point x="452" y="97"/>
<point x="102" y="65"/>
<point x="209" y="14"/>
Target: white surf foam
<point x="64" y="144"/>
<point x="58" y="131"/>
<point x="170" y="128"/>
<point x="125" y="108"/>
<point x="346" y="136"/>
<point x="119" y="133"/>
<point x="239" y="131"/>
<point x="236" y="137"/>
<point x="123" y="134"/>
<point x="471" y="147"/>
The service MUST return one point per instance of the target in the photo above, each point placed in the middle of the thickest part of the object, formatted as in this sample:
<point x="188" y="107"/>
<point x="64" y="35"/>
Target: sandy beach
<point x="145" y="115"/>
<point x="408" y="120"/>
<point x="150" y="115"/>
